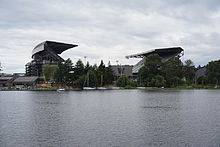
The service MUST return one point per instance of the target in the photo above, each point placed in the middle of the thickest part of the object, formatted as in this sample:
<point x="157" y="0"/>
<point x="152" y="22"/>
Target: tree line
<point x="172" y="73"/>
<point x="213" y="74"/>
<point x="78" y="75"/>
<point x="155" y="73"/>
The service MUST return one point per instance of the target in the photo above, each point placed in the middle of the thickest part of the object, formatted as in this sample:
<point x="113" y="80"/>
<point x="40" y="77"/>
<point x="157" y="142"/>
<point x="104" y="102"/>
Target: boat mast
<point x="88" y="78"/>
<point x="101" y="80"/>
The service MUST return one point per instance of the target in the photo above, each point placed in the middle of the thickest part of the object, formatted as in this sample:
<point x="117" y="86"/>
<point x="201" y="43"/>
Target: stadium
<point x="165" y="53"/>
<point x="46" y="52"/>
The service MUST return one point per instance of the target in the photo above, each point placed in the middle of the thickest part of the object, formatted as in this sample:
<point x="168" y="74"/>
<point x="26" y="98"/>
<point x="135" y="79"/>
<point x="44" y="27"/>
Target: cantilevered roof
<point x="163" y="52"/>
<point x="57" y="47"/>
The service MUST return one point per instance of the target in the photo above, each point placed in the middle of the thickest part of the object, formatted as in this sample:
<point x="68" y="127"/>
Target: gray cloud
<point x="108" y="30"/>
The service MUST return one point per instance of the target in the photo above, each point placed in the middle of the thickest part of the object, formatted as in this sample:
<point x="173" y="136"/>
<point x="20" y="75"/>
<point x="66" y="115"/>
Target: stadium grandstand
<point x="165" y="53"/>
<point x="46" y="52"/>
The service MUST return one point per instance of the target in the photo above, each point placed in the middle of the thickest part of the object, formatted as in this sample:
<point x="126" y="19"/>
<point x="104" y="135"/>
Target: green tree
<point x="78" y="70"/>
<point x="159" y="81"/>
<point x="153" y="65"/>
<point x="213" y="69"/>
<point x="101" y="73"/>
<point x="189" y="71"/>
<point x="202" y="80"/>
<point x="156" y="81"/>
<point x="93" y="82"/>
<point x="87" y="68"/>
<point x="63" y="74"/>
<point x="133" y="83"/>
<point x="49" y="72"/>
<point x="142" y="76"/>
<point x="68" y="65"/>
<point x="109" y="75"/>
<point x="175" y="81"/>
<point x="81" y="81"/>
<point x="172" y="69"/>
<point x="122" y="81"/>
<point x="101" y="67"/>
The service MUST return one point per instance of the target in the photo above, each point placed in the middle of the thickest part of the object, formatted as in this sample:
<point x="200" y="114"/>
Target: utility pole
<point x="101" y="80"/>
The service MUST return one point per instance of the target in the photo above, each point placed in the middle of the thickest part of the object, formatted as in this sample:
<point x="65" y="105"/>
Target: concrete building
<point x="119" y="70"/>
<point x="201" y="72"/>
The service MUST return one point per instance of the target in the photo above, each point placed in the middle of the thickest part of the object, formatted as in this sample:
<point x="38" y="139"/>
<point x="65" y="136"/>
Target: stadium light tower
<point x="0" y="66"/>
<point x="117" y="62"/>
<point x="85" y="59"/>
<point x="119" y="67"/>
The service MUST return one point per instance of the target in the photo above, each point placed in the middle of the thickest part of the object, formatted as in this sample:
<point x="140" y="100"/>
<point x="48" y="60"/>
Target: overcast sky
<point x="109" y="29"/>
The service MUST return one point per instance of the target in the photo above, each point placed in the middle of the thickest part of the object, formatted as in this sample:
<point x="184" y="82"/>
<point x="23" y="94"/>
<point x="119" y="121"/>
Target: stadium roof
<point x="57" y="47"/>
<point x="163" y="52"/>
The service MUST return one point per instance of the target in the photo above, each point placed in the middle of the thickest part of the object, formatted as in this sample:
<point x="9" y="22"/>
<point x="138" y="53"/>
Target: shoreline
<point x="121" y="88"/>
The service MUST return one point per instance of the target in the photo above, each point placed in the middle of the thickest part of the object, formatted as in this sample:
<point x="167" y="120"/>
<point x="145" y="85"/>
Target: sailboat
<point x="101" y="88"/>
<point x="87" y="81"/>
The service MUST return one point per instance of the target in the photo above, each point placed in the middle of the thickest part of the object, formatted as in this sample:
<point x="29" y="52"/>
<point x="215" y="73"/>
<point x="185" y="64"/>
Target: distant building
<point x="22" y="82"/>
<point x="5" y="75"/>
<point x="119" y="70"/>
<point x="201" y="72"/>
<point x="6" y="81"/>
<point x="46" y="53"/>
<point x="165" y="53"/>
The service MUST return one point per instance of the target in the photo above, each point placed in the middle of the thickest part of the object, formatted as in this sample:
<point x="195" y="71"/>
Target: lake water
<point x="127" y="118"/>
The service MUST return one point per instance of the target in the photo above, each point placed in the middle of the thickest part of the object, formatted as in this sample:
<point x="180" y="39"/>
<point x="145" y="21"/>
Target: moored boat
<point x="89" y="88"/>
<point x="61" y="89"/>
